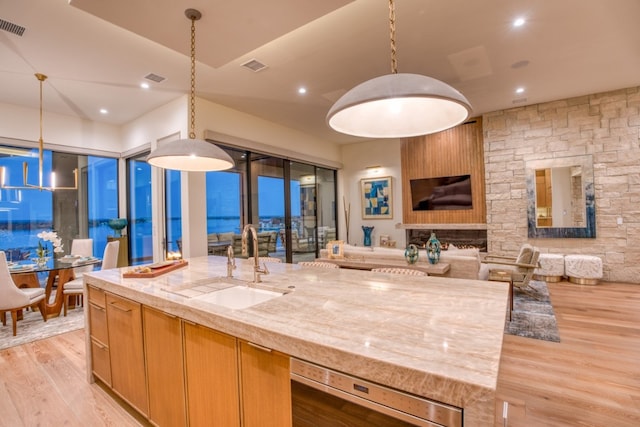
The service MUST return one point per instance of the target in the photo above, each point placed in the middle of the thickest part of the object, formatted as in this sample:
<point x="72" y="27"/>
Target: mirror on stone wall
<point x="561" y="197"/>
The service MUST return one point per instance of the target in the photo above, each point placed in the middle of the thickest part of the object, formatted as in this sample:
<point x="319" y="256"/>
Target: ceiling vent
<point x="519" y="101"/>
<point x="154" y="78"/>
<point x="254" y="65"/>
<point x="11" y="27"/>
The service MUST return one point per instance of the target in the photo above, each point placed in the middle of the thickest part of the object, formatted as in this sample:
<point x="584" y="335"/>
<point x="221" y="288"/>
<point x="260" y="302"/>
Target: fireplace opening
<point x="461" y="239"/>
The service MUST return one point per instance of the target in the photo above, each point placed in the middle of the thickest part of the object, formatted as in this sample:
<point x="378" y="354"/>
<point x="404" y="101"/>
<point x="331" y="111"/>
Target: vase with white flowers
<point x="43" y="251"/>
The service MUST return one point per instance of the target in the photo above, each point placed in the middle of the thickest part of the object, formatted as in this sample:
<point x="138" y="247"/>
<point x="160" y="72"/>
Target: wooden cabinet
<point x="211" y="366"/>
<point x="164" y="362"/>
<point x="266" y="387"/>
<point x="126" y="350"/>
<point x="175" y="372"/>
<point x="100" y="359"/>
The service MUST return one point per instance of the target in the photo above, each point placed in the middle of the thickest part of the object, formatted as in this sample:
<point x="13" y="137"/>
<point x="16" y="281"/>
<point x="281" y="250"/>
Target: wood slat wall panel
<point x="456" y="151"/>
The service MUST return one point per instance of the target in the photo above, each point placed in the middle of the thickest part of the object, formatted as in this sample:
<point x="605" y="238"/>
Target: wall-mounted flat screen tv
<point x="441" y="193"/>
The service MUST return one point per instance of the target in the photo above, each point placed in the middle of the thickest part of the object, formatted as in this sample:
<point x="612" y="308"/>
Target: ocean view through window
<point x="72" y="214"/>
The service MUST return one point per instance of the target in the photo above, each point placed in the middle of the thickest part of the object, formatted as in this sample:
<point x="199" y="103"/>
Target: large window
<point x="102" y="199"/>
<point x="226" y="206"/>
<point x="140" y="211"/>
<point x="73" y="214"/>
<point x="292" y="209"/>
<point x="173" y="211"/>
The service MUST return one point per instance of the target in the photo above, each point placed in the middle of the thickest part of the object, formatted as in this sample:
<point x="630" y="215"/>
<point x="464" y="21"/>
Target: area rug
<point x="533" y="315"/>
<point x="32" y="327"/>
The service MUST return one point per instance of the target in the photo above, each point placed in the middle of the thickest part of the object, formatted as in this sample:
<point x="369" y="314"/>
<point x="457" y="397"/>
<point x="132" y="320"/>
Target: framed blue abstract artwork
<point x="376" y="198"/>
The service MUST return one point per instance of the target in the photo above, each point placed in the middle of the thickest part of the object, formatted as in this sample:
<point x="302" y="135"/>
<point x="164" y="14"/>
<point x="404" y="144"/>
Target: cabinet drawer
<point x="98" y="323"/>
<point x="100" y="362"/>
<point x="97" y="296"/>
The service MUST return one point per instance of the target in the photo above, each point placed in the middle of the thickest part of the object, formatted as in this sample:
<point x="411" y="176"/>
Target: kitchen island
<point x="439" y="338"/>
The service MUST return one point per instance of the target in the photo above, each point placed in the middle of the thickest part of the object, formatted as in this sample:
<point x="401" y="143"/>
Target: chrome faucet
<point x="231" y="261"/>
<point x="257" y="270"/>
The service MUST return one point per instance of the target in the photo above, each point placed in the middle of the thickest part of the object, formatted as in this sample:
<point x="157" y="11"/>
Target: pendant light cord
<point x="392" y="36"/>
<point x="192" y="96"/>
<point x="41" y="78"/>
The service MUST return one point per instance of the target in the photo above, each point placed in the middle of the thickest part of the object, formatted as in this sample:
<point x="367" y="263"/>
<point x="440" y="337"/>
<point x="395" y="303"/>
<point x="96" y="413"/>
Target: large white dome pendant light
<point x="191" y="155"/>
<point x="398" y="105"/>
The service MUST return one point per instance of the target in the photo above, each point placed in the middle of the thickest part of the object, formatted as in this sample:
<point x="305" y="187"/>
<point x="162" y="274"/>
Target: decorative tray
<point x="154" y="270"/>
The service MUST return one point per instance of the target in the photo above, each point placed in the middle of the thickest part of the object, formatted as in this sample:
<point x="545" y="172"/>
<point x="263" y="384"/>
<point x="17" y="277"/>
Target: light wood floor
<point x="44" y="383"/>
<point x="590" y="378"/>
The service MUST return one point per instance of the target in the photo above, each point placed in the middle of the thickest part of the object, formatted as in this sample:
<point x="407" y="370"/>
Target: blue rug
<point x="533" y="315"/>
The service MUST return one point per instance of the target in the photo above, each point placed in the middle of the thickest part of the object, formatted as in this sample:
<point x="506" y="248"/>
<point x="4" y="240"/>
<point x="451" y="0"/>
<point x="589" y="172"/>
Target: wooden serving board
<point x="156" y="269"/>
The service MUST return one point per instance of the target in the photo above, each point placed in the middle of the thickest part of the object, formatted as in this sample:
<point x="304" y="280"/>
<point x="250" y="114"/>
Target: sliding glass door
<point x="226" y="205"/>
<point x="291" y="204"/>
<point x="304" y="225"/>
<point x="173" y="213"/>
<point x="140" y="210"/>
<point x="267" y="204"/>
<point x="326" y="205"/>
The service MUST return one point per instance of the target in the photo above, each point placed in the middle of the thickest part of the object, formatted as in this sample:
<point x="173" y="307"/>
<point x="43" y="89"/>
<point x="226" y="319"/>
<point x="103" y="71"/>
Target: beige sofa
<point x="464" y="263"/>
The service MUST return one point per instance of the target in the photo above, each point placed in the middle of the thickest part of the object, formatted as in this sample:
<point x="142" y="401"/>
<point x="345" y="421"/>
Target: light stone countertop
<point x="440" y="338"/>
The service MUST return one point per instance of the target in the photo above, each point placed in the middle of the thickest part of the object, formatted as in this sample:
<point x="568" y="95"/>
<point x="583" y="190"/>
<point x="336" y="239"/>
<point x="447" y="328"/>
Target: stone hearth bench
<point x="464" y="263"/>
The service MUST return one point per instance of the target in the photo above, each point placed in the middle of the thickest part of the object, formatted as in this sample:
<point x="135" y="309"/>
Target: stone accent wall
<point x="604" y="125"/>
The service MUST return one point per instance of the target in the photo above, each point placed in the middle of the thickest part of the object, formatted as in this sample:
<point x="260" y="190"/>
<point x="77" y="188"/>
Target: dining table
<point x="59" y="271"/>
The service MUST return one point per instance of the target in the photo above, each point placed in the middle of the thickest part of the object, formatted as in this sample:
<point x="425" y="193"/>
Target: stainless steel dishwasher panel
<point x="407" y="408"/>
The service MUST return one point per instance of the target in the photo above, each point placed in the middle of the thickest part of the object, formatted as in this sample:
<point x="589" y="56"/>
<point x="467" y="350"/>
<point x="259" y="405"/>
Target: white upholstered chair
<point x="399" y="270"/>
<point x="75" y="287"/>
<point x="84" y="248"/>
<point x="13" y="299"/>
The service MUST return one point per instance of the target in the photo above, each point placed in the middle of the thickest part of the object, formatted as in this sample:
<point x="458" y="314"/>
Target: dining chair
<point x="318" y="264"/>
<point x="75" y="287"/>
<point x="84" y="248"/>
<point x="13" y="299"/>
<point x="266" y="259"/>
<point x="399" y="270"/>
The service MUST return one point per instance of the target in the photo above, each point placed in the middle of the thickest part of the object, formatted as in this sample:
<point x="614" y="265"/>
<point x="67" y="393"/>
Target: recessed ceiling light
<point x="104" y="111"/>
<point x="144" y="85"/>
<point x="519" y="22"/>
<point x="302" y="90"/>
<point x="520" y="90"/>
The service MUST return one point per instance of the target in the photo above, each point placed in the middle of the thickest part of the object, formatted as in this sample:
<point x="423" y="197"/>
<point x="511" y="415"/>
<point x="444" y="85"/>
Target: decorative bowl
<point x="117" y="224"/>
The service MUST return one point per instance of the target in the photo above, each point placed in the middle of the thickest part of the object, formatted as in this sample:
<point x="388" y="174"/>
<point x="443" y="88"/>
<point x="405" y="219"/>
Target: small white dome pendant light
<point x="191" y="155"/>
<point x="398" y="105"/>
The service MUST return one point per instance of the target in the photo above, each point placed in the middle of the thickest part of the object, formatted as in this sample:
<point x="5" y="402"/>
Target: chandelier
<point x="25" y="167"/>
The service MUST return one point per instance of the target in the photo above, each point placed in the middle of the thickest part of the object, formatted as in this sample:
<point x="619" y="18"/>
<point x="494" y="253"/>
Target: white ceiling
<point x="97" y="52"/>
